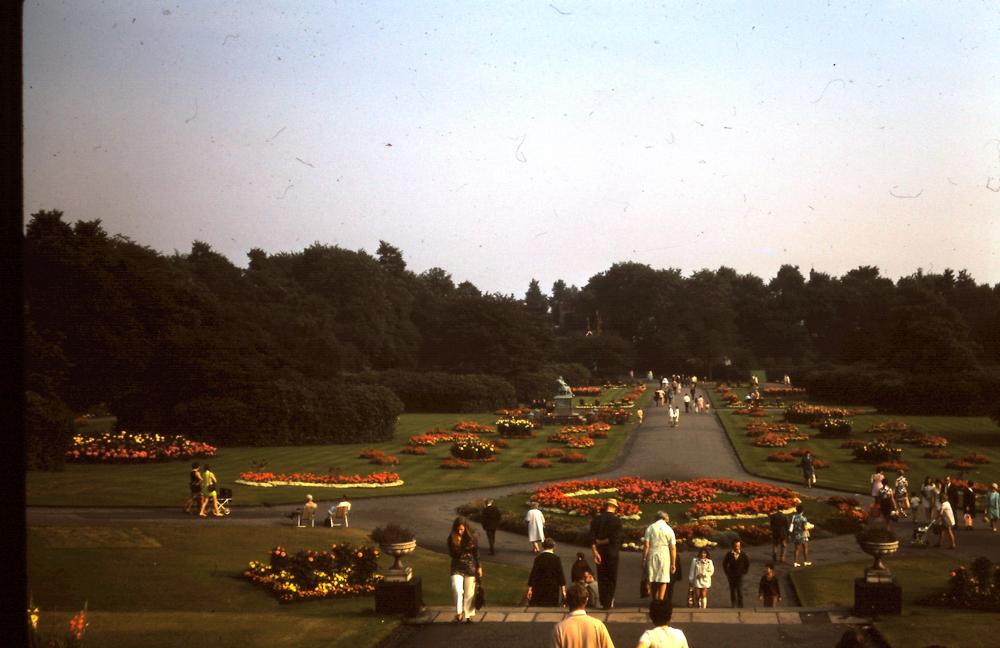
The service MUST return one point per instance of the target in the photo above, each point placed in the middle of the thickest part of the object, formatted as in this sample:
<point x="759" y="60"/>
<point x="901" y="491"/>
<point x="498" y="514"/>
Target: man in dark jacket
<point x="606" y="542"/>
<point x="547" y="582"/>
<point x="736" y="565"/>
<point x="491" y="522"/>
<point x="779" y="534"/>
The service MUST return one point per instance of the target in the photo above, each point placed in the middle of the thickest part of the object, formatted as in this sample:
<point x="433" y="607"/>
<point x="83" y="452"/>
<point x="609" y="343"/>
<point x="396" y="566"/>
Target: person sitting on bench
<point x="339" y="513"/>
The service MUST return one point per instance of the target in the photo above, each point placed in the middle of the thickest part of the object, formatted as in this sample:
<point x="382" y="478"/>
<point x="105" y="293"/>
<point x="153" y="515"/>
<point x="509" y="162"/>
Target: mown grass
<point x="165" y="484"/>
<point x="919" y="576"/>
<point x="189" y="589"/>
<point x="966" y="435"/>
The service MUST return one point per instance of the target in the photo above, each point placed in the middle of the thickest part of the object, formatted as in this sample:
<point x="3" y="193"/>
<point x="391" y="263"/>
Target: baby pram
<point x="919" y="535"/>
<point x="225" y="496"/>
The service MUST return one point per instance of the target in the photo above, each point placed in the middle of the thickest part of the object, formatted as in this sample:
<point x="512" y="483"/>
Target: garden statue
<point x="564" y="389"/>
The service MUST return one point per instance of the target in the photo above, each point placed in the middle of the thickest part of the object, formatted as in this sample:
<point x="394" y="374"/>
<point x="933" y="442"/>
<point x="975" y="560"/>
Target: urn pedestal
<point x="398" y="573"/>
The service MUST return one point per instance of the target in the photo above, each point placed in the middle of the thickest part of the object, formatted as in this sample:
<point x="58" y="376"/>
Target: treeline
<point x="330" y="345"/>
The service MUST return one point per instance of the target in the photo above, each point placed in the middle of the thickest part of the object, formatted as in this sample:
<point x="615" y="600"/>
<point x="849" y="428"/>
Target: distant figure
<point x="787" y="380"/>
<point x="675" y="415"/>
<point x="308" y="512"/>
<point x="800" y="537"/>
<point x="211" y="485"/>
<point x="606" y="542"/>
<point x="687" y="403"/>
<point x="639" y="415"/>
<point x="491" y="522"/>
<point x="465" y="568"/>
<point x="547" y="582"/>
<point x="581" y="572"/>
<point x="340" y="512"/>
<point x="945" y="521"/>
<point x="536" y="527"/>
<point x="901" y="488"/>
<point x="700" y="404"/>
<point x="877" y="478"/>
<point x="779" y="534"/>
<point x="700" y="576"/>
<point x="993" y="506"/>
<point x="808" y="469"/>
<point x="578" y="630"/>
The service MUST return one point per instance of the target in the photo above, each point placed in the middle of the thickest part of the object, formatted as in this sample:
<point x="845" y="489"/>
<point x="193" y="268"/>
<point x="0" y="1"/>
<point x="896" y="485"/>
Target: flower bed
<point x="453" y="463"/>
<point x="876" y="452"/>
<point x="270" y="479"/>
<point x="134" y="447"/>
<point x="937" y="453"/>
<point x="933" y="442"/>
<point x="805" y="413"/>
<point x="974" y="588"/>
<point x="612" y="414"/>
<point x="515" y="428"/>
<point x="834" y="427"/>
<point x="580" y="443"/>
<point x="437" y="435"/>
<point x="961" y="464"/>
<point x="520" y="412"/>
<point x="471" y="427"/>
<point x="892" y="466"/>
<point x="587" y="391"/>
<point x="573" y="457"/>
<point x="380" y="458"/>
<point x="344" y="570"/>
<point x="572" y="497"/>
<point x="551" y="453"/>
<point x="976" y="458"/>
<point x="536" y="463"/>
<point x="473" y="449"/>
<point x="780" y="457"/>
<point x="414" y="450"/>
<point x="771" y="440"/>
<point x="784" y="391"/>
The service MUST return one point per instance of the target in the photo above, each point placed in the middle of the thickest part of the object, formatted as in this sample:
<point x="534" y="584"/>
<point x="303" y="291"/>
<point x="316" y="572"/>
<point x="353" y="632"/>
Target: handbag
<point x="690" y="597"/>
<point x="479" y="601"/>
<point x="644" y="587"/>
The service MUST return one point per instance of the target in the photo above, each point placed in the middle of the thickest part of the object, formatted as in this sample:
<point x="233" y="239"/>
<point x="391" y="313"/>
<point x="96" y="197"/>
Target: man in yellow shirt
<point x="578" y="630"/>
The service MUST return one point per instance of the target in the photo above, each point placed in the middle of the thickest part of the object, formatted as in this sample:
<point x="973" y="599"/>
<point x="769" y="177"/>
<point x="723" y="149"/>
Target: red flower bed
<point x="437" y="435"/>
<point x="960" y="464"/>
<point x="933" y="442"/>
<point x="573" y="457"/>
<point x="780" y="457"/>
<point x="753" y="534"/>
<point x="551" y="453"/>
<point x="453" y="463"/>
<point x="976" y="458"/>
<point x="771" y="440"/>
<point x="537" y="463"/>
<point x="937" y="453"/>
<point x="783" y="391"/>
<point x="414" y="450"/>
<point x="819" y="464"/>
<point x="520" y="412"/>
<point x="892" y="466"/>
<point x="580" y="442"/>
<point x="586" y="391"/>
<point x="502" y="443"/>
<point x="313" y="478"/>
<point x="379" y="458"/>
<point x="473" y="428"/>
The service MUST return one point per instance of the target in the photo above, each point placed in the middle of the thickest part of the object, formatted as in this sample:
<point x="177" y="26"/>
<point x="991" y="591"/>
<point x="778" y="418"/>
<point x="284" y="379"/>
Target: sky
<point x="510" y="141"/>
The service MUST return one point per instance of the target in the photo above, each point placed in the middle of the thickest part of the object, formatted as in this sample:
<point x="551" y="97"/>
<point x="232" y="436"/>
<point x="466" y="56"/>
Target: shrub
<point x="48" y="429"/>
<point x="551" y="453"/>
<point x="384" y="460"/>
<point x="933" y="442"/>
<point x="391" y="533"/>
<point x="502" y="443"/>
<point x="452" y="463"/>
<point x="473" y="449"/>
<point x="573" y="457"/>
<point x="834" y="427"/>
<point x="515" y="428"/>
<point x="851" y="444"/>
<point x="414" y="450"/>
<point x="537" y="463"/>
<point x="877" y="451"/>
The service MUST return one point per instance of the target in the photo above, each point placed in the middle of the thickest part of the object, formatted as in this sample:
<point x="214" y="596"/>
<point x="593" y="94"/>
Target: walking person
<point x="662" y="635"/>
<point x="929" y="499"/>
<point x="901" y="491"/>
<point x="969" y="505"/>
<point x="799" y="528"/>
<point x="779" y="534"/>
<point x="887" y="505"/>
<point x="606" y="542"/>
<point x="700" y="576"/>
<point x="808" y="469"/>
<point x="536" y="527"/>
<point x="211" y="486"/>
<point x="491" y="522"/>
<point x="194" y="487"/>
<point x="578" y="630"/>
<point x="769" y="591"/>
<point x="993" y="506"/>
<point x="547" y="581"/>
<point x="700" y="404"/>
<point x="659" y="555"/>
<point x="465" y="569"/>
<point x="687" y="403"/>
<point x="675" y="415"/>
<point x="877" y="480"/>
<point x="735" y="566"/>
<point x="945" y="521"/>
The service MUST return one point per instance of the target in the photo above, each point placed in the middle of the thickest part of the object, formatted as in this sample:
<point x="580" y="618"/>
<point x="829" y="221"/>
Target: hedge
<point x="434" y="391"/>
<point x="48" y="429"/>
<point x="967" y="393"/>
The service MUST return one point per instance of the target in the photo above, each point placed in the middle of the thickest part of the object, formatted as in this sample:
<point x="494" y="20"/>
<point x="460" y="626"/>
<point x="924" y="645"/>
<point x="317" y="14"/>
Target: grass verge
<point x="178" y="585"/>
<point x="165" y="484"/>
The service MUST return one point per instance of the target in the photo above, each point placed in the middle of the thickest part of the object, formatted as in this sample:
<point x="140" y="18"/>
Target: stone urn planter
<point x="879" y="549"/>
<point x="398" y="572"/>
<point x="396" y="541"/>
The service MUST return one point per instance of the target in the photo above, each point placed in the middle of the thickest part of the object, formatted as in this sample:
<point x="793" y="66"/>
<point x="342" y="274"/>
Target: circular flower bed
<point x="134" y="447"/>
<point x="473" y="449"/>
<point x="576" y="497"/>
<point x="515" y="428"/>
<point x="471" y="427"/>
<point x="580" y="442"/>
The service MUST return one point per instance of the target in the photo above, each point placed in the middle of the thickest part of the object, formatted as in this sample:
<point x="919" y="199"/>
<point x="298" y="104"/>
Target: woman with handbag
<point x="945" y="521"/>
<point x="465" y="569"/>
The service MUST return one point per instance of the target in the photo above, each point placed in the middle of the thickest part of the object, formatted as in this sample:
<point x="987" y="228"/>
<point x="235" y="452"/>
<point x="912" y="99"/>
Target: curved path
<point x="698" y="447"/>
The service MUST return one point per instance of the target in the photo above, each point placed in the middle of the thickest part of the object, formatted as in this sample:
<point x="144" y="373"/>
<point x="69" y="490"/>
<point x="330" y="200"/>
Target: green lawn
<point x="165" y="484"/>
<point x="965" y="434"/>
<point x="167" y="586"/>
<point x="833" y="585"/>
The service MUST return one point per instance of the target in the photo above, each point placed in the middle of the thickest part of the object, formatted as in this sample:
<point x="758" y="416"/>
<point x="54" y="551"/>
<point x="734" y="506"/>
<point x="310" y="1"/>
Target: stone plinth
<point x="404" y="598"/>
<point x="564" y="405"/>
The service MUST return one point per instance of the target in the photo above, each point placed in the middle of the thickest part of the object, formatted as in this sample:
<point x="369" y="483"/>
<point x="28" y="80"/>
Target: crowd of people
<point x="936" y="507"/>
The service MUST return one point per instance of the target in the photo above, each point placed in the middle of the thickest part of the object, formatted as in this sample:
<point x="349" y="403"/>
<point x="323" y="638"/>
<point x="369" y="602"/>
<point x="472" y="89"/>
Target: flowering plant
<point x="74" y="637"/>
<point x="344" y="570"/>
<point x="473" y="449"/>
<point x="805" y="413"/>
<point x="454" y="463"/>
<point x="551" y="453"/>
<point x="771" y="440"/>
<point x="509" y="427"/>
<point x="536" y="463"/>
<point x="269" y="479"/>
<point x="134" y="447"/>
<point x="587" y="391"/>
<point x="573" y="457"/>
<point x="472" y="427"/>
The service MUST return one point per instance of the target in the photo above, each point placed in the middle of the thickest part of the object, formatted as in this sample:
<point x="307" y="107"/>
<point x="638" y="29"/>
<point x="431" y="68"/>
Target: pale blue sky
<point x="528" y="139"/>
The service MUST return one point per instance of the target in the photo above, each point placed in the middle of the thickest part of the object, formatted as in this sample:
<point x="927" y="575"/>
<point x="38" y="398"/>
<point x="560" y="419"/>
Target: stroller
<point x="919" y="535"/>
<point x="225" y="496"/>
